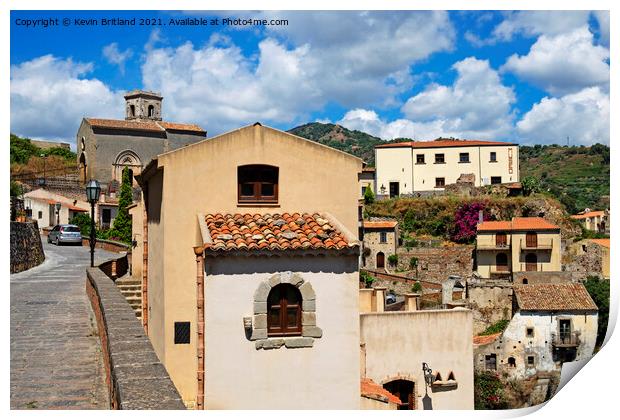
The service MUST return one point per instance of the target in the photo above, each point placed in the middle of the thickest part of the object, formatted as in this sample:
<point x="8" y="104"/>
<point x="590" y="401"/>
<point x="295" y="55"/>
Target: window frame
<point x="283" y="330"/>
<point x="464" y="155"/>
<point x="492" y="156"/>
<point x="442" y="160"/>
<point x="257" y="180"/>
<point x="421" y="161"/>
<point x="383" y="237"/>
<point x="437" y="185"/>
<point x="496" y="178"/>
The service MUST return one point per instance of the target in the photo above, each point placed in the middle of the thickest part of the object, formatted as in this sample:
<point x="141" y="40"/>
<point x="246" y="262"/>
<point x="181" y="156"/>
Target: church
<point x="106" y="146"/>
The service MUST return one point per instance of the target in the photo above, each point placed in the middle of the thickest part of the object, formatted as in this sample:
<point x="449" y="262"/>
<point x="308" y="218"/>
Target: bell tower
<point x="142" y="105"/>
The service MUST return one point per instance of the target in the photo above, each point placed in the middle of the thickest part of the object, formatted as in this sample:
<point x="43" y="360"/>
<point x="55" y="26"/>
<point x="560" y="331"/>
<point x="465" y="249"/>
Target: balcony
<point x="536" y="245"/>
<point x="565" y="340"/>
<point x="493" y="247"/>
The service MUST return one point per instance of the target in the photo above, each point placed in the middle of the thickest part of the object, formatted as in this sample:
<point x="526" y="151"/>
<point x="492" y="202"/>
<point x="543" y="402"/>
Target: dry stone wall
<point x="26" y="246"/>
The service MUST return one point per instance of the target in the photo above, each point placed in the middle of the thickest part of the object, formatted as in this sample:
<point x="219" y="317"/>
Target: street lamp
<point x="429" y="378"/>
<point x="93" y="189"/>
<point x="58" y="205"/>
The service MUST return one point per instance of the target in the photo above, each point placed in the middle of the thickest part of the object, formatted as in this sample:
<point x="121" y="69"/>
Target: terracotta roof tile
<point x="481" y="340"/>
<point x="444" y="143"/>
<point x="518" y="223"/>
<point x="379" y="224"/>
<point x="589" y="214"/>
<point x="532" y="223"/>
<point x="370" y="388"/>
<point x="153" y="126"/>
<point x="276" y="232"/>
<point x="554" y="297"/>
<point x="602" y="242"/>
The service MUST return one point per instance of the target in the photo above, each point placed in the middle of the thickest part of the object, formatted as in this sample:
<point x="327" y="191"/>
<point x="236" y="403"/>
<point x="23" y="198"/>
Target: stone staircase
<point x="132" y="290"/>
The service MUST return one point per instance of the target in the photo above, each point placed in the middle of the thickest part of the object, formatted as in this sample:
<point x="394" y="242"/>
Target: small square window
<point x="440" y="182"/>
<point x="440" y="158"/>
<point x="181" y="332"/>
<point x="530" y="361"/>
<point x="464" y="157"/>
<point x="40" y="215"/>
<point x="496" y="180"/>
<point x="419" y="159"/>
<point x="383" y="237"/>
<point x="529" y="332"/>
<point x="493" y="157"/>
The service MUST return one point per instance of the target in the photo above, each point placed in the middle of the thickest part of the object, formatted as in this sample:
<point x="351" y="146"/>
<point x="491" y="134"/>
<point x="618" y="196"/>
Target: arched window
<point x="380" y="260"/>
<point x="151" y="111"/>
<point x="501" y="262"/>
<point x="525" y="281"/>
<point x="512" y="362"/>
<point x="257" y="183"/>
<point x="284" y="311"/>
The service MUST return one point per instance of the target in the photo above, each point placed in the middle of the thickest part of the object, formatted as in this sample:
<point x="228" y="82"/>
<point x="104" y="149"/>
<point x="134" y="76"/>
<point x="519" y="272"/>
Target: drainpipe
<point x="145" y="265"/>
<point x="200" y="305"/>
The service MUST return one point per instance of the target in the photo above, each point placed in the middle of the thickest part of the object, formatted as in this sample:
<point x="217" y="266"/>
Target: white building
<point x="428" y="166"/>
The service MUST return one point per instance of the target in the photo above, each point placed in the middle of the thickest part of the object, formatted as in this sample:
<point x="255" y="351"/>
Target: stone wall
<point x="26" y="246"/>
<point x="112" y="246"/>
<point x="583" y="259"/>
<point x="436" y="264"/>
<point x="490" y="302"/>
<point x="401" y="284"/>
<point x="136" y="379"/>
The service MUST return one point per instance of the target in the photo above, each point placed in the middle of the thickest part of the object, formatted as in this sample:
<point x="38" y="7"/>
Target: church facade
<point x="106" y="146"/>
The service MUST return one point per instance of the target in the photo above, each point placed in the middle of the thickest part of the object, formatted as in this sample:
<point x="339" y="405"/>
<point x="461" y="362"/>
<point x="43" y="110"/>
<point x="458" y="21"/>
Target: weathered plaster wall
<point x="26" y="246"/>
<point x="397" y="343"/>
<point x="490" y="302"/>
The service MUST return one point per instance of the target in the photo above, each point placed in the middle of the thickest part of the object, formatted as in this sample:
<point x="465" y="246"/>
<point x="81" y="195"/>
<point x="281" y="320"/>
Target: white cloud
<point x="354" y="60"/>
<point x="583" y="116"/>
<point x="49" y="97"/>
<point x="563" y="64"/>
<point x="602" y="17"/>
<point x="114" y="56"/>
<point x="476" y="105"/>
<point x="539" y="22"/>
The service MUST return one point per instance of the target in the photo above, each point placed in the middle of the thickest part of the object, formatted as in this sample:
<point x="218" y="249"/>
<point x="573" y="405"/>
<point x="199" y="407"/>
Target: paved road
<point x="56" y="357"/>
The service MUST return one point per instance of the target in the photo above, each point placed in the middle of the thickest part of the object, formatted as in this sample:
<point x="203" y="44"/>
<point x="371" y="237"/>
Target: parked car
<point x="390" y="298"/>
<point x="65" y="234"/>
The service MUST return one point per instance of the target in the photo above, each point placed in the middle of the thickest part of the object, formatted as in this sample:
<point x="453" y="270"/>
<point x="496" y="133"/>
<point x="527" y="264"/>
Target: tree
<point x="82" y="220"/>
<point x="530" y="184"/>
<point x="121" y="229"/>
<point x="599" y="291"/>
<point x="22" y="149"/>
<point x="413" y="263"/>
<point x="369" y="196"/>
<point x="393" y="259"/>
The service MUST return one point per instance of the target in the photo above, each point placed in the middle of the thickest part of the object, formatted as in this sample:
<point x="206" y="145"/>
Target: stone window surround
<point x="258" y="330"/>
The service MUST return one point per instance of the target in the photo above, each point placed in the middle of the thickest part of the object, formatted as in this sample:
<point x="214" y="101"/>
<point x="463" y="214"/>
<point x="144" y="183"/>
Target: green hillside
<point x="577" y="176"/>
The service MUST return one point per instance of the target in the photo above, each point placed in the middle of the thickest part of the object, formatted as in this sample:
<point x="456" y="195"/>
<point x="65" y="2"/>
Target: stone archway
<point x="126" y="159"/>
<point x="404" y="387"/>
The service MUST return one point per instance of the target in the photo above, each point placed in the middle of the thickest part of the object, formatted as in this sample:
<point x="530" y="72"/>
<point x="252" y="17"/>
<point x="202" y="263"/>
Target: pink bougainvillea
<point x="465" y="220"/>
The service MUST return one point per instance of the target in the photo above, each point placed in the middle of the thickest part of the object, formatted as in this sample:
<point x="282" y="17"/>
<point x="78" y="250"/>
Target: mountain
<point x="355" y="142"/>
<point x="578" y="176"/>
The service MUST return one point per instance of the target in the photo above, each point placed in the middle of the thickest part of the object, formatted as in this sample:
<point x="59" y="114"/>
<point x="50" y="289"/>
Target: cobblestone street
<point x="56" y="360"/>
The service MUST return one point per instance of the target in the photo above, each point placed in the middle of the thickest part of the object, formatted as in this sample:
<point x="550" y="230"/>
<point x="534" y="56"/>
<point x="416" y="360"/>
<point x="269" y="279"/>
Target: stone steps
<point x="131" y="289"/>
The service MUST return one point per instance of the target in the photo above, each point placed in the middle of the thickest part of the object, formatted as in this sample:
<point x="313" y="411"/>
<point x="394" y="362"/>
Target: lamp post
<point x="58" y="205"/>
<point x="93" y="189"/>
<point x="429" y="378"/>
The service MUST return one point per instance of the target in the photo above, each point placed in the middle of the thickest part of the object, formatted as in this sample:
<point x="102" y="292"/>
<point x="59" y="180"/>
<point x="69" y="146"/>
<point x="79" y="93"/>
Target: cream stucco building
<point x="551" y="324"/>
<point x="250" y="274"/>
<point x="595" y="221"/>
<point x="415" y="167"/>
<point x="41" y="205"/>
<point x="524" y="244"/>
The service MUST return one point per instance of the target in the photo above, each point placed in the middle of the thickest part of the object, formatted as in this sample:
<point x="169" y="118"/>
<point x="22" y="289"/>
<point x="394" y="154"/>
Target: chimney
<point x="379" y="295"/>
<point x="412" y="302"/>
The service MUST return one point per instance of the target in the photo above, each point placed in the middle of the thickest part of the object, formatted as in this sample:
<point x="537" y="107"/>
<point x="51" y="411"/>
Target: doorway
<point x="380" y="260"/>
<point x="405" y="391"/>
<point x="394" y="189"/>
<point x="531" y="262"/>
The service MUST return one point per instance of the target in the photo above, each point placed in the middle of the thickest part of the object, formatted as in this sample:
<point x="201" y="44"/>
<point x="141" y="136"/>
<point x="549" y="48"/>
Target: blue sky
<point x="531" y="77"/>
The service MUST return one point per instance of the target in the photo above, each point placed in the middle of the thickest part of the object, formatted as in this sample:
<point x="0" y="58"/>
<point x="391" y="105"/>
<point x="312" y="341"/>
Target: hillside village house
<point x="42" y="207"/>
<point x="595" y="221"/>
<point x="591" y="256"/>
<point x="106" y="146"/>
<point x="524" y="244"/>
<point x="424" y="167"/>
<point x="551" y="324"/>
<point x="367" y="180"/>
<point x="380" y="241"/>
<point x="250" y="275"/>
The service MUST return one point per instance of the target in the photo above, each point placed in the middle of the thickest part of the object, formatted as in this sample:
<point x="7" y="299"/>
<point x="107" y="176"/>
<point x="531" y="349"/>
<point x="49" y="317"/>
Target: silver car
<point x="65" y="234"/>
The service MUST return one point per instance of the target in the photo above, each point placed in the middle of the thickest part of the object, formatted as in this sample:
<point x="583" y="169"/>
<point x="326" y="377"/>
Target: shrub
<point x="82" y="220"/>
<point x="369" y="197"/>
<point x="488" y="391"/>
<point x="499" y="326"/>
<point x="413" y="262"/>
<point x="599" y="290"/>
<point x="530" y="184"/>
<point x="367" y="279"/>
<point x="417" y="287"/>
<point x="393" y="259"/>
<point x="121" y="230"/>
<point x="465" y="221"/>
